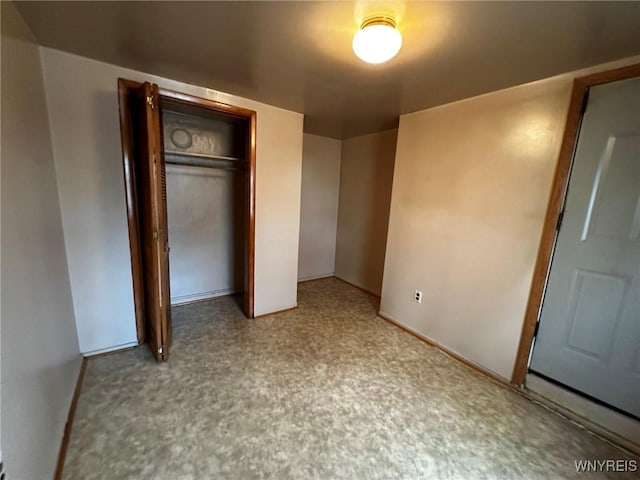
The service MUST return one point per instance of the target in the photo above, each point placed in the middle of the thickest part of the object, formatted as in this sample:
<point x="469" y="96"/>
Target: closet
<point x="189" y="166"/>
<point x="205" y="163"/>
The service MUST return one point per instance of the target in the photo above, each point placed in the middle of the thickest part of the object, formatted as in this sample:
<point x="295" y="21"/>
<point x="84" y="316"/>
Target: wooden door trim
<point x="206" y="103"/>
<point x="556" y="201"/>
<point x="126" y="134"/>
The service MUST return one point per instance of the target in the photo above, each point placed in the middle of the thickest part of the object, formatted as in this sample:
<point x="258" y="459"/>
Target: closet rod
<point x="205" y="163"/>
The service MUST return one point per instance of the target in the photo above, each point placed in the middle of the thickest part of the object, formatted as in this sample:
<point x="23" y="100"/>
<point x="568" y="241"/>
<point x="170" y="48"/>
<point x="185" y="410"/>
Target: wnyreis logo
<point x="606" y="465"/>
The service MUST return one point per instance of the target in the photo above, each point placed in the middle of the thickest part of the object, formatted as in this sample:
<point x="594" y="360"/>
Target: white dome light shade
<point x="377" y="41"/>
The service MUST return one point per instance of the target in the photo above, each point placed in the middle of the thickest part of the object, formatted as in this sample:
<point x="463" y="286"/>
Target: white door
<point x="589" y="331"/>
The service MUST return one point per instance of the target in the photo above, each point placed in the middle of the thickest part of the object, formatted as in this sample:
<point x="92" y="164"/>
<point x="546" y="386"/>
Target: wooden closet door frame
<point x="128" y="157"/>
<point x="579" y="96"/>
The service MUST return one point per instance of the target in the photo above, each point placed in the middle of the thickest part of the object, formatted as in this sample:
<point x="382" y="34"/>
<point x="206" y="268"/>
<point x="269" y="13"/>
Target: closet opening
<point x="189" y="167"/>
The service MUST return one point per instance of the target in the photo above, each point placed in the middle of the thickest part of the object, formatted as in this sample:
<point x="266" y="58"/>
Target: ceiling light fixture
<point x="378" y="40"/>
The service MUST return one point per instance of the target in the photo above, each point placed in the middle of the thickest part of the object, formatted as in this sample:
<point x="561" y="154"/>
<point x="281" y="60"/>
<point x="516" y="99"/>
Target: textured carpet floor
<point x="327" y="391"/>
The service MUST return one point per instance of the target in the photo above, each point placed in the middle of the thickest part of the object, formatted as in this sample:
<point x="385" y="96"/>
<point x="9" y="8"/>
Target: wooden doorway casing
<point x="125" y="89"/>
<point x="579" y="96"/>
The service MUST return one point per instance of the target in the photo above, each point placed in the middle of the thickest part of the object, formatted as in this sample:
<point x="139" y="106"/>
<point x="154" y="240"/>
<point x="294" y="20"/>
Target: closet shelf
<point x="206" y="161"/>
<point x="201" y="155"/>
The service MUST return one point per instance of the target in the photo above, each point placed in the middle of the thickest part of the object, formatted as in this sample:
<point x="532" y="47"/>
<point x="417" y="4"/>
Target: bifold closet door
<point x="152" y="214"/>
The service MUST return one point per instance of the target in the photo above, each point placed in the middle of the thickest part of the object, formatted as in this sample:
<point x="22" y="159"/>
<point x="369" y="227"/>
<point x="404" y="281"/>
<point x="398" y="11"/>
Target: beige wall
<point x="470" y="189"/>
<point x="83" y="108"/>
<point x="365" y="192"/>
<point x="40" y="356"/>
<point x="319" y="206"/>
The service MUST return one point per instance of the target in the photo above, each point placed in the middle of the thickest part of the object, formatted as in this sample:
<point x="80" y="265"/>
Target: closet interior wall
<point x="206" y="174"/>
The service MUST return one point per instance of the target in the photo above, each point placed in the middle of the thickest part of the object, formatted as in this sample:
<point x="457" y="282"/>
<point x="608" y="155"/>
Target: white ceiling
<point x="297" y="55"/>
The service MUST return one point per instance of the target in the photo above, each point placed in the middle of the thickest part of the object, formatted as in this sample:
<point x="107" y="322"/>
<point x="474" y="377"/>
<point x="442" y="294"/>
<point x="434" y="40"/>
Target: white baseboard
<point x="194" y="297"/>
<point x="274" y="310"/>
<point x="315" y="277"/>
<point x="123" y="346"/>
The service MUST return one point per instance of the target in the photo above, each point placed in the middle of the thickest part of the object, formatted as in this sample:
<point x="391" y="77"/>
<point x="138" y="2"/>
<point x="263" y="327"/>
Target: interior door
<point x="152" y="214"/>
<point x="589" y="330"/>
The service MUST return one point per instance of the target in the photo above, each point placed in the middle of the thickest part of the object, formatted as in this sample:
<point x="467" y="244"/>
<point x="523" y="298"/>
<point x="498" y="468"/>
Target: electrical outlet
<point x="418" y="296"/>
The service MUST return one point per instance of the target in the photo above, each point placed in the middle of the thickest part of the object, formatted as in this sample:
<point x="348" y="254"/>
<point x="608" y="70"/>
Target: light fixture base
<point x="378" y="20"/>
